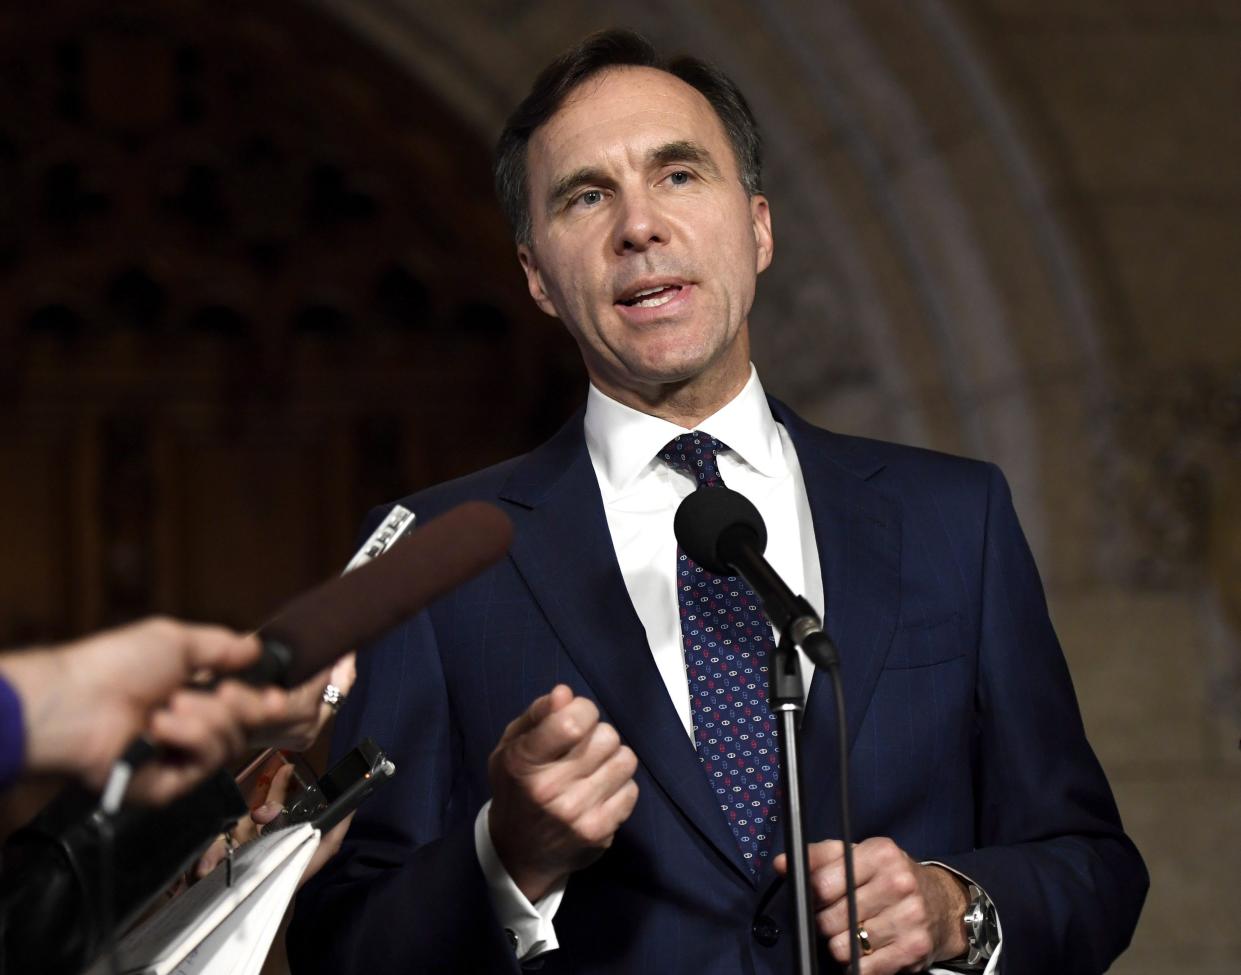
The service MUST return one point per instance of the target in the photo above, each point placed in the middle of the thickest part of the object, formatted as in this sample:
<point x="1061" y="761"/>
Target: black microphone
<point x="722" y="531"/>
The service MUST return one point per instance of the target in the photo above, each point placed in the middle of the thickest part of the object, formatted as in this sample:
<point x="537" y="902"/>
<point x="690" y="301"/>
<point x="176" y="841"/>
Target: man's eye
<point x="679" y="178"/>
<point x="590" y="198"/>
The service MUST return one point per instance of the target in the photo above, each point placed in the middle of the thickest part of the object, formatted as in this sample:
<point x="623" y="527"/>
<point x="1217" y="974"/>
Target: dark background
<point x="252" y="283"/>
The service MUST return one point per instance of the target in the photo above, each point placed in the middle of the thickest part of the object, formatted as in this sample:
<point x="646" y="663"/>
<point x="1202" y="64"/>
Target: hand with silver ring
<point x="913" y="911"/>
<point x="311" y="707"/>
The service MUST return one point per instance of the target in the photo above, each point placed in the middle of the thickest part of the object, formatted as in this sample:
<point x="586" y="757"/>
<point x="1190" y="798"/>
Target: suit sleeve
<point x="406" y="892"/>
<point x="1067" y="882"/>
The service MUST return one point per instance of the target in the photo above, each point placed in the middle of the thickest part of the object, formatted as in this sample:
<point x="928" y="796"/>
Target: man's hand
<point x="84" y="702"/>
<point x="561" y="784"/>
<point x="196" y="732"/>
<point x="307" y="714"/>
<point x="911" y="912"/>
<point x="329" y="844"/>
<point x="271" y="807"/>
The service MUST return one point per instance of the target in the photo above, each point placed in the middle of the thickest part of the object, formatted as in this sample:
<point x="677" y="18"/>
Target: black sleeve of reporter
<point x="1068" y="884"/>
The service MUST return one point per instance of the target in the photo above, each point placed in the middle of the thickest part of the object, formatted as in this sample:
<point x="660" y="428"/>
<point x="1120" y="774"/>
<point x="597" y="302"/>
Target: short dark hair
<point x="614" y="49"/>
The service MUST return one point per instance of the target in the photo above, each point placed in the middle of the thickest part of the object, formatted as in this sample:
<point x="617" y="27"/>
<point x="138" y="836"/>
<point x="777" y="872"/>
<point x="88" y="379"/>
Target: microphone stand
<point x="788" y="699"/>
<point x="800" y="627"/>
<point x="722" y="530"/>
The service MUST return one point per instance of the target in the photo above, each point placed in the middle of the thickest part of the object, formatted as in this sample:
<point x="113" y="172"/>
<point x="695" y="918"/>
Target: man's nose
<point x="640" y="224"/>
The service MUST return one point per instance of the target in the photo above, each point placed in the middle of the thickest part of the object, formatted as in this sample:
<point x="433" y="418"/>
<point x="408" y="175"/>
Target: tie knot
<point x="694" y="454"/>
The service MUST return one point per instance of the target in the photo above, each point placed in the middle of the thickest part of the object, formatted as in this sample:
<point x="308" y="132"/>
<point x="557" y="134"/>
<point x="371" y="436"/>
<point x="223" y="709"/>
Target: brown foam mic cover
<point x="344" y="613"/>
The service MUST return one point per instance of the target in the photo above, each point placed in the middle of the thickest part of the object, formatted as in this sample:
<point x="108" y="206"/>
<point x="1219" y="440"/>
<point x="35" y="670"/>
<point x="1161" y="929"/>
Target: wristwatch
<point x="982" y="930"/>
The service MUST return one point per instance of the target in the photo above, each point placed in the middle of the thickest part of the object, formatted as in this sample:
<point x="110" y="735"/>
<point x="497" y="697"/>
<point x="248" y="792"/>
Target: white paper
<point x="214" y="929"/>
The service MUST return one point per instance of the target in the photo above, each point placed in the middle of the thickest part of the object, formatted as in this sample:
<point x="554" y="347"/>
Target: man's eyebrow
<point x="571" y="182"/>
<point x="684" y="151"/>
<point x="670" y="153"/>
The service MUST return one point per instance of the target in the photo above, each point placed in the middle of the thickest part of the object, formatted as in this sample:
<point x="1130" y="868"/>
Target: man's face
<point x="645" y="243"/>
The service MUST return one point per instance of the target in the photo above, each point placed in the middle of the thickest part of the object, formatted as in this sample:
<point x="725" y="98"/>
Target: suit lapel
<point x="858" y="534"/>
<point x="563" y="550"/>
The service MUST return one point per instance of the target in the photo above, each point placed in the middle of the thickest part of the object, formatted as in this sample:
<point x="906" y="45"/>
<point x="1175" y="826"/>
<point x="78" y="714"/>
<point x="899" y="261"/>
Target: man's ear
<point x="760" y="214"/>
<point x="534" y="279"/>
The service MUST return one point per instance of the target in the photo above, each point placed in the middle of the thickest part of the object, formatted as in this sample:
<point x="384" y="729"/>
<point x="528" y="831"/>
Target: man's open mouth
<point x="652" y="297"/>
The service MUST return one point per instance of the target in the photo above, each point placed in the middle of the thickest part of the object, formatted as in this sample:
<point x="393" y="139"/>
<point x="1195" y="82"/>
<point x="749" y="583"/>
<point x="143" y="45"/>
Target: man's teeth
<point x="657" y="296"/>
<point x="662" y="298"/>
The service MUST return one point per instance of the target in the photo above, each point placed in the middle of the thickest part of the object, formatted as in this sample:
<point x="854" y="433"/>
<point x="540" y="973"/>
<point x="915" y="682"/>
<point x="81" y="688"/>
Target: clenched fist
<point x="561" y="785"/>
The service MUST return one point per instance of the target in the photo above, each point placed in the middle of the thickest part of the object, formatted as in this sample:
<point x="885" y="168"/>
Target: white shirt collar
<point x="624" y="442"/>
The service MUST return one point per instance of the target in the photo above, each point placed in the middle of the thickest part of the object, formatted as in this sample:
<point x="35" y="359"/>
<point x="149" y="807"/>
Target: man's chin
<point x="673" y="375"/>
<point x="654" y="381"/>
<point x="682" y="366"/>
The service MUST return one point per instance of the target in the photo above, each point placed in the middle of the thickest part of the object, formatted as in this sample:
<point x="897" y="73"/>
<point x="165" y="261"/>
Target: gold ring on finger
<point x="863" y="940"/>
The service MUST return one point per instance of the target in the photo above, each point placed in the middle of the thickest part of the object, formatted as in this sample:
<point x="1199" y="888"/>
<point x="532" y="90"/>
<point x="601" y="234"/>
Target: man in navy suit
<point x="552" y="807"/>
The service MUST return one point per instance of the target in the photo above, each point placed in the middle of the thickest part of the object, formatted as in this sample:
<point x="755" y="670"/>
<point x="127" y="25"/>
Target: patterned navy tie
<point x="727" y="645"/>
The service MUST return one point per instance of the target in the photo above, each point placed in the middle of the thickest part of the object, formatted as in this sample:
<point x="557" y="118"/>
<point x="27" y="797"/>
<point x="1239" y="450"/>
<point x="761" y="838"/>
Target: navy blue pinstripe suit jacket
<point x="966" y="742"/>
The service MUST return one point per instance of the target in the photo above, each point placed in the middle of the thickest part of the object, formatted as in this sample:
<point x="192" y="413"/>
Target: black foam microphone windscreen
<point x="711" y="519"/>
<point x="346" y="612"/>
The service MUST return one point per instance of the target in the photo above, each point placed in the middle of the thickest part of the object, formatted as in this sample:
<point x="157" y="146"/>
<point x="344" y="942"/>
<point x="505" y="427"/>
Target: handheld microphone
<point x="373" y="595"/>
<point x="722" y="531"/>
<point x="344" y="613"/>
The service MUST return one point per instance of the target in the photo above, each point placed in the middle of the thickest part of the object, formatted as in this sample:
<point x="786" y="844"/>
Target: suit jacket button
<point x="766" y="931"/>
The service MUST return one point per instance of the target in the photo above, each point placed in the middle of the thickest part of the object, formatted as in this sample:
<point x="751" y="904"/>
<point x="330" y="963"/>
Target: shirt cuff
<point x="994" y="961"/>
<point x="529" y="926"/>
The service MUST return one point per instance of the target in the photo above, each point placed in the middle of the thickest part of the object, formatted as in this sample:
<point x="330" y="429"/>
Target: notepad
<point x="217" y="929"/>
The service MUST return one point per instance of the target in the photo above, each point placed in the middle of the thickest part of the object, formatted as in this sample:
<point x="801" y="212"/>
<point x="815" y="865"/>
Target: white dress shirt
<point x="640" y="497"/>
